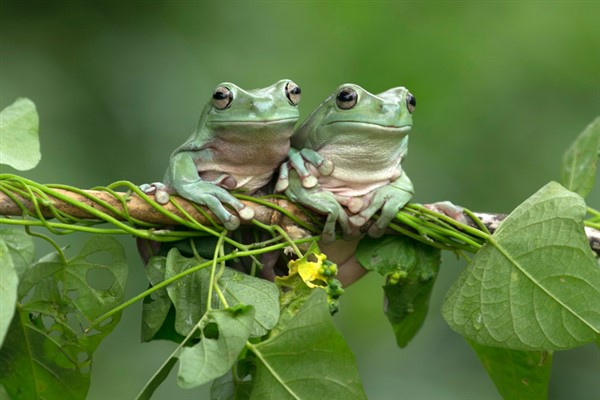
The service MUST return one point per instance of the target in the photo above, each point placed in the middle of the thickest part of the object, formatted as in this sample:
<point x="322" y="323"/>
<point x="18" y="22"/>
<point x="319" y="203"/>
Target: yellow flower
<point x="311" y="272"/>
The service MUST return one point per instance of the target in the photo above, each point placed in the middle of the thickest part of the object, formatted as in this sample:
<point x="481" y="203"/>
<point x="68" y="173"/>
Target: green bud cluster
<point x="396" y="276"/>
<point x="334" y="290"/>
<point x="328" y="269"/>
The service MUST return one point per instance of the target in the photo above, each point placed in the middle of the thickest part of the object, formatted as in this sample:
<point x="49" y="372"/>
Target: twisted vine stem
<point x="63" y="209"/>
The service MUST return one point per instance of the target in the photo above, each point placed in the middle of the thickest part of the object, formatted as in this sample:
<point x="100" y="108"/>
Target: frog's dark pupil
<point x="219" y="95"/>
<point x="412" y="101"/>
<point x="346" y="96"/>
<point x="296" y="90"/>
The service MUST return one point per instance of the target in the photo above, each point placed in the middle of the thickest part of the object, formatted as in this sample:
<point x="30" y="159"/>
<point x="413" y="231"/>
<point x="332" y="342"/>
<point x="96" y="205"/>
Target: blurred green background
<point x="502" y="90"/>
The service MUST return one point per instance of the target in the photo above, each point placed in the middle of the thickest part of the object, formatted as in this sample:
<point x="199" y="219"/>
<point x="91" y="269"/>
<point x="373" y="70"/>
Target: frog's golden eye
<point x="411" y="102"/>
<point x="222" y="98"/>
<point x="346" y="98"/>
<point x="292" y="91"/>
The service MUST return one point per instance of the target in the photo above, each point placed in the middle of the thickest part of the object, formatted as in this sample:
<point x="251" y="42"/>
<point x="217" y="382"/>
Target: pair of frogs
<point x="343" y="161"/>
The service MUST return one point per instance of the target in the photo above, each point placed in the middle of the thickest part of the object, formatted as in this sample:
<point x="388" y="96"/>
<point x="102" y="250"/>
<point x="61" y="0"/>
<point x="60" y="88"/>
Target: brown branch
<point x="137" y="208"/>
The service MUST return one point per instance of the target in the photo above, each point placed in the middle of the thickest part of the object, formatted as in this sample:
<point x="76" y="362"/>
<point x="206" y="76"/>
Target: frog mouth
<point x="373" y="126"/>
<point x="254" y="122"/>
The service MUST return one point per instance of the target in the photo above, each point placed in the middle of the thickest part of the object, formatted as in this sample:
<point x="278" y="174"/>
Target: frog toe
<point x="232" y="223"/>
<point x="246" y="213"/>
<point x="375" y="231"/>
<point x="283" y="180"/>
<point x="309" y="181"/>
<point x="328" y="236"/>
<point x="355" y="204"/>
<point x="148" y="188"/>
<point x="326" y="168"/>
<point x="161" y="196"/>
<point x="358" y="220"/>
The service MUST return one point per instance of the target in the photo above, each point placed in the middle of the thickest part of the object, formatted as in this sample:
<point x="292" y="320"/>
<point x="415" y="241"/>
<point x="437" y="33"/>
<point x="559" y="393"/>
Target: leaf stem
<point x="174" y="278"/>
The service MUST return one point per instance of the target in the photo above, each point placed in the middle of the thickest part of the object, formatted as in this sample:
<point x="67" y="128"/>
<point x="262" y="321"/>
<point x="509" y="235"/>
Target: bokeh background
<point x="502" y="88"/>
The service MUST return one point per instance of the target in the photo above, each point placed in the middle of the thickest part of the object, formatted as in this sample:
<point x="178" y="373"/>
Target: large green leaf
<point x="20" y="146"/>
<point x="190" y="294"/>
<point x="16" y="256"/>
<point x="308" y="359"/>
<point x="518" y="375"/>
<point x="20" y="247"/>
<point x="263" y="295"/>
<point x="536" y="284"/>
<point x="580" y="162"/>
<point x="155" y="308"/>
<point x="46" y="354"/>
<point x="226" y="388"/>
<point x="9" y="281"/>
<point x="411" y="269"/>
<point x="223" y="334"/>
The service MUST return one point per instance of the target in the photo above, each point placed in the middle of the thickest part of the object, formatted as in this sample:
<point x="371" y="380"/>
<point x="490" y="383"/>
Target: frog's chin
<point x="370" y="126"/>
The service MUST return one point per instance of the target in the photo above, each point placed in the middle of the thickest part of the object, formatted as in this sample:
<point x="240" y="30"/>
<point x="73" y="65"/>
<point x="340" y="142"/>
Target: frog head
<point x="234" y="114"/>
<point x="352" y="114"/>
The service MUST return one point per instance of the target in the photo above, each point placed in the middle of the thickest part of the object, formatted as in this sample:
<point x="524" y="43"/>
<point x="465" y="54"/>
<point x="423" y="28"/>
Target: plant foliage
<point x="533" y="287"/>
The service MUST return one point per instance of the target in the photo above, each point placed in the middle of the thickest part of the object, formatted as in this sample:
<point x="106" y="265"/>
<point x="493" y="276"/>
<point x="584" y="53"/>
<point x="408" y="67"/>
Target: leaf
<point x="8" y="290"/>
<point x="223" y="335"/>
<point x="225" y="388"/>
<point x="580" y="162"/>
<point x="19" y="125"/>
<point x="20" y="248"/>
<point x="46" y="353"/>
<point x="518" y="375"/>
<point x="156" y="380"/>
<point x="155" y="308"/>
<point x="308" y="359"/>
<point x="535" y="285"/>
<point x="190" y="293"/>
<point x="242" y="289"/>
<point x="411" y="269"/>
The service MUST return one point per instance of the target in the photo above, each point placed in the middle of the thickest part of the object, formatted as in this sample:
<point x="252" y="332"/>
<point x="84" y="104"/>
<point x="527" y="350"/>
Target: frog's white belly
<point x="360" y="170"/>
<point x="250" y="163"/>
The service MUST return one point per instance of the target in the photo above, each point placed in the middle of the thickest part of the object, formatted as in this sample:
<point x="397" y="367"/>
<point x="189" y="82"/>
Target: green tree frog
<point x="365" y="137"/>
<point x="242" y="138"/>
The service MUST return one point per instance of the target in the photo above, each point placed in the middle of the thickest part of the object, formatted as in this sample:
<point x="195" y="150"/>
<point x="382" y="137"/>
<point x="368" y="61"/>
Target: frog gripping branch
<point x="241" y="139"/>
<point x="365" y="138"/>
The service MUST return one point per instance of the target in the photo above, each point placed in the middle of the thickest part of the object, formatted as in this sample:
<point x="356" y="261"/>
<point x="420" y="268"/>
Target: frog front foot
<point x="215" y="198"/>
<point x="297" y="160"/>
<point x="324" y="203"/>
<point x="388" y="201"/>
<point x="451" y="210"/>
<point x="161" y="192"/>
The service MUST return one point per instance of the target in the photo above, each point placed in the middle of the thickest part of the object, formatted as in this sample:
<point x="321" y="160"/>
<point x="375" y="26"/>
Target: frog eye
<point x="292" y="91"/>
<point x="222" y="98"/>
<point x="411" y="102"/>
<point x="346" y="98"/>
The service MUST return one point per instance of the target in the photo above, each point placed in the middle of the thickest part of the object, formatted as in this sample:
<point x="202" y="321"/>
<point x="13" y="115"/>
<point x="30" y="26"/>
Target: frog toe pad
<point x="246" y="213"/>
